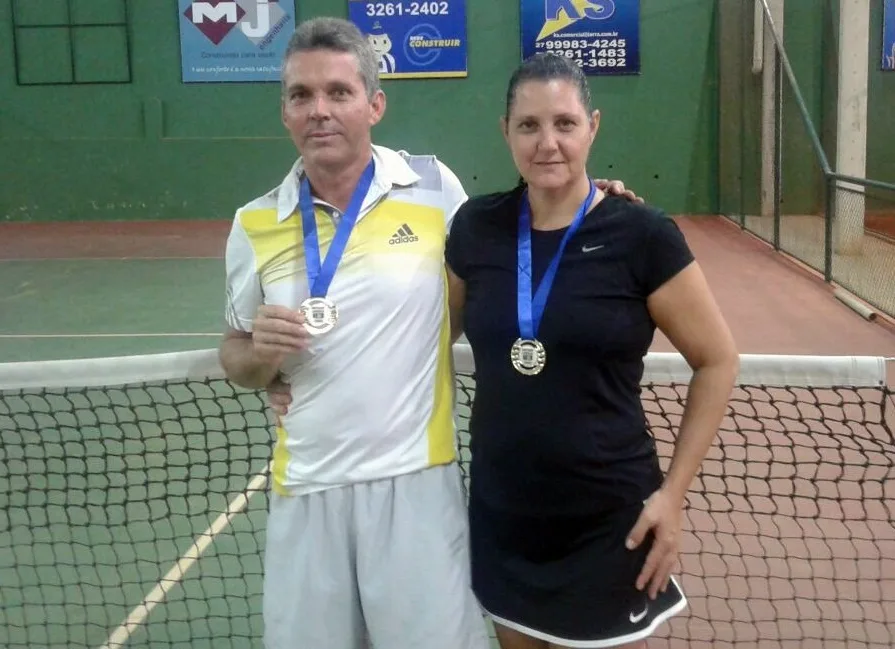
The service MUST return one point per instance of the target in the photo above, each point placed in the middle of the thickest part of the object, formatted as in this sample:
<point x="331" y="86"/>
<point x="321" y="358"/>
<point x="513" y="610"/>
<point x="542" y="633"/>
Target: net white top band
<point x="661" y="367"/>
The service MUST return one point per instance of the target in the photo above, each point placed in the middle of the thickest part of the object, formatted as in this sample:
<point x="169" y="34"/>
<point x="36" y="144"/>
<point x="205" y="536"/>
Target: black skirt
<point x="565" y="579"/>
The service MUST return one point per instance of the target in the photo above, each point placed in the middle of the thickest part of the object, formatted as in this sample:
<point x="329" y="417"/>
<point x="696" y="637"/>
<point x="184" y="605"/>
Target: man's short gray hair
<point x="337" y="35"/>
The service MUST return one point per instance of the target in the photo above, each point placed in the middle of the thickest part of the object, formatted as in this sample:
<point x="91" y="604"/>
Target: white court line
<point x="161" y="335"/>
<point x="119" y="637"/>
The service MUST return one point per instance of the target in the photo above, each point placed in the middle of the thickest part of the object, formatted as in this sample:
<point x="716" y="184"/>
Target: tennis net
<point x="133" y="495"/>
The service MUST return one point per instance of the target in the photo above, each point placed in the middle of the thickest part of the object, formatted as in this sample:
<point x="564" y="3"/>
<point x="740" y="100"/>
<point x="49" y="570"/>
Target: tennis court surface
<point x="133" y="490"/>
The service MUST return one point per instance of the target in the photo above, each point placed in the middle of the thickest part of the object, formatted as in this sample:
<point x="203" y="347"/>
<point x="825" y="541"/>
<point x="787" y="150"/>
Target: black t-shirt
<point x="572" y="439"/>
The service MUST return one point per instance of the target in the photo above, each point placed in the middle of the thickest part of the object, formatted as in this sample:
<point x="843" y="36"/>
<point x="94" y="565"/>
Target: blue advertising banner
<point x="414" y="39"/>
<point x="889" y="35"/>
<point x="234" y="40"/>
<point x="601" y="36"/>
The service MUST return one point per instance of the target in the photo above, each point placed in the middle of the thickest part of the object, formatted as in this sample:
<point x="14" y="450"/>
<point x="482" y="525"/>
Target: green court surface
<point x="109" y="489"/>
<point x="117" y="495"/>
<point x="55" y="309"/>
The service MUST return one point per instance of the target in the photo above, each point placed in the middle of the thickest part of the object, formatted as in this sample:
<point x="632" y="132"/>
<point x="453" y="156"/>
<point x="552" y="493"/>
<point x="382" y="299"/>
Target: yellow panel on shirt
<point x="373" y="398"/>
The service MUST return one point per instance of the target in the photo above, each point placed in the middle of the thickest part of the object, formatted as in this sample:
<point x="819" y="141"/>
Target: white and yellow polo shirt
<point x="373" y="398"/>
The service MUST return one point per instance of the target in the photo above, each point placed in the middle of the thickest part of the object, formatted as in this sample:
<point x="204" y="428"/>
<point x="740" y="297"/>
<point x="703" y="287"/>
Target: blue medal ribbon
<point x="531" y="309"/>
<point x="320" y="277"/>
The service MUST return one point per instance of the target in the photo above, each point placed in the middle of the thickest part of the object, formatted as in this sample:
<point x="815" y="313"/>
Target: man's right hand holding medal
<point x="276" y="332"/>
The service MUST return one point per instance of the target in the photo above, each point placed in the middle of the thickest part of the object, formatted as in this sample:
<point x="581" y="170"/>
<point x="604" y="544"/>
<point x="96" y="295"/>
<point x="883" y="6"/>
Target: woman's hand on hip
<point x="661" y="515"/>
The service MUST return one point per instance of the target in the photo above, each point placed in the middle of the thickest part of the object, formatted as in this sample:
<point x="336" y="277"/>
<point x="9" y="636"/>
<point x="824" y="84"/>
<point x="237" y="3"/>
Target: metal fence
<point x="777" y="181"/>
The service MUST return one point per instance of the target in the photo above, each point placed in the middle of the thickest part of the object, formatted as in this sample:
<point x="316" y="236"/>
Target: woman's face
<point x="550" y="132"/>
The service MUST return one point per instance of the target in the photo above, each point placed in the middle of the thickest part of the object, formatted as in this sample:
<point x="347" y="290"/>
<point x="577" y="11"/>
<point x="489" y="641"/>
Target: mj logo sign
<point x="233" y="40"/>
<point x="217" y="18"/>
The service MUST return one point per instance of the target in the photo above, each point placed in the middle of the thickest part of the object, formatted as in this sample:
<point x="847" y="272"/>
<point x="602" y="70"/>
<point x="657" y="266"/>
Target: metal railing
<point x="789" y="194"/>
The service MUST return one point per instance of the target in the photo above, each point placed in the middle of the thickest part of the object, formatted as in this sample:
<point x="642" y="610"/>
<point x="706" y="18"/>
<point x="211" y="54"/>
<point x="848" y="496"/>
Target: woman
<point x="559" y="289"/>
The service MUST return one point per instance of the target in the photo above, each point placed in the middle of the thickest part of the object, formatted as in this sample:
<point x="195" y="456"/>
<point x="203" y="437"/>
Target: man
<point x="367" y="532"/>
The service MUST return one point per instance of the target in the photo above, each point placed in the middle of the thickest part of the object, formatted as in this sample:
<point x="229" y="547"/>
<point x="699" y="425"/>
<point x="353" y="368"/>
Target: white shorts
<point x="386" y="560"/>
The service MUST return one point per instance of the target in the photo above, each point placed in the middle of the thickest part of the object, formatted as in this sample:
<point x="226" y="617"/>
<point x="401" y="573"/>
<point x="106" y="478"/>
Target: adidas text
<point x="403" y="235"/>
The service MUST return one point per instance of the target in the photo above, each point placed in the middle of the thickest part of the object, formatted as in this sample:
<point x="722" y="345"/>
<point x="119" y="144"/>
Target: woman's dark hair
<point x="546" y="66"/>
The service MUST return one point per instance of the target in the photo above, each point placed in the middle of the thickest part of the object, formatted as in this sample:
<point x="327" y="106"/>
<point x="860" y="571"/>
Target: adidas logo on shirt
<point x="403" y="235"/>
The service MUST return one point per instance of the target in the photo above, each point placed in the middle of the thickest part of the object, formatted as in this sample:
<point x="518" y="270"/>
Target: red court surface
<point x="881" y="224"/>
<point x="773" y="304"/>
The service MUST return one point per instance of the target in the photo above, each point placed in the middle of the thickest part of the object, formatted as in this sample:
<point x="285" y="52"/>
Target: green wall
<point x="740" y="99"/>
<point x="156" y="148"/>
<point x="811" y="38"/>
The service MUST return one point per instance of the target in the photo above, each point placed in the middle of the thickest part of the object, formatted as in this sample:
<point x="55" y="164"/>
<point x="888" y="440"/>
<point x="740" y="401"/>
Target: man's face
<point x="326" y="108"/>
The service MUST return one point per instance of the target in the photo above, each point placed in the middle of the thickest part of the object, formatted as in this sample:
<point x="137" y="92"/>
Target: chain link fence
<point x="862" y="255"/>
<point x="776" y="140"/>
